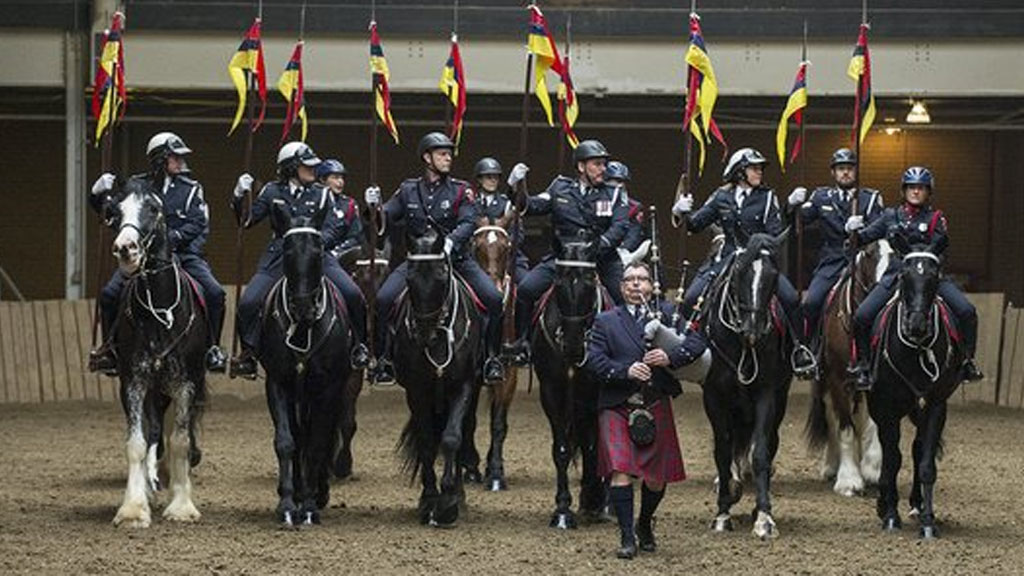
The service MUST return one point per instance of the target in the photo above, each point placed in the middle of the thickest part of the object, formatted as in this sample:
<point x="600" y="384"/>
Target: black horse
<point x="303" y="337"/>
<point x="746" y="389"/>
<point x="918" y="368"/>
<point x="568" y="393"/>
<point x="160" y="342"/>
<point x="439" y="346"/>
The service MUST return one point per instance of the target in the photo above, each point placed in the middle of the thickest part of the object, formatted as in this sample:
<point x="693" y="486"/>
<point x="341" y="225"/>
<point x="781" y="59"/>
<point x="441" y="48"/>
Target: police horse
<point x="746" y="389"/>
<point x="303" y="336"/>
<point x="160" y="340"/>
<point x="492" y="247"/>
<point x="917" y="367"/>
<point x="438" y="343"/>
<point x="568" y="393"/>
<point x="838" y="424"/>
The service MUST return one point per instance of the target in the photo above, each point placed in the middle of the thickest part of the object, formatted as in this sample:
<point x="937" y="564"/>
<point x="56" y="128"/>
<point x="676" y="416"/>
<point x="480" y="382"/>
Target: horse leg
<point x="888" y="494"/>
<point x="499" y="430"/>
<point x="593" y="492"/>
<point x="870" y="449"/>
<point x="468" y="455"/>
<point x="285" y="448"/>
<point x="181" y="508"/>
<point x="925" y="468"/>
<point x="134" y="510"/>
<point x="916" y="450"/>
<point x="347" y="426"/>
<point x="155" y="407"/>
<point x="830" y="459"/>
<point x="451" y="441"/>
<point x="729" y="491"/>
<point x="765" y="435"/>
<point x="427" y="450"/>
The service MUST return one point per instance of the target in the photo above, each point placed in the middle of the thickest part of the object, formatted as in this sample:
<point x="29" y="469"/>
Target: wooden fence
<point x="44" y="347"/>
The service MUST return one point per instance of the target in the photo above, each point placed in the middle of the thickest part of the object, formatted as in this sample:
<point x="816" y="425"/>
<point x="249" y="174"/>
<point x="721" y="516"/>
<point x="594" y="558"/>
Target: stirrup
<point x="810" y="368"/>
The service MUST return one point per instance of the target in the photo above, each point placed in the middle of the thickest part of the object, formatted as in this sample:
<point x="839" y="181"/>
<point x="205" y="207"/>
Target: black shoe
<point x="103" y="360"/>
<point x="804" y="362"/>
<point x="494" y="371"/>
<point x="385" y="373"/>
<point x="518" y="352"/>
<point x="970" y="372"/>
<point x="862" y="376"/>
<point x="360" y="356"/>
<point x="627" y="551"/>
<point x="645" y="535"/>
<point x="215" y="360"/>
<point x="244" y="366"/>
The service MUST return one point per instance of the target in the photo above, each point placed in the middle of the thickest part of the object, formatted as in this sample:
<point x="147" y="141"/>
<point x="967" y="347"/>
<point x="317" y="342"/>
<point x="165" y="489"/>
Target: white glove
<point x="372" y="196"/>
<point x="517" y="174"/>
<point x="448" y="246"/>
<point x="243" y="185"/>
<point x="854" y="223"/>
<point x="683" y="205"/>
<point x="798" y="196"/>
<point x="105" y="183"/>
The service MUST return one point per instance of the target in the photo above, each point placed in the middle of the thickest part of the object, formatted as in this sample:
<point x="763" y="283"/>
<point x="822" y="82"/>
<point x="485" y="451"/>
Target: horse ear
<point x="482" y="221"/>
<point x="898" y="240"/>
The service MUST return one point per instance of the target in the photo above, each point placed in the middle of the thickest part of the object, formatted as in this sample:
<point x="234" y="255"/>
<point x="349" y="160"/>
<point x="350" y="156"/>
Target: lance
<point x="683" y="187"/>
<point x="448" y="107"/>
<point x="370" y="244"/>
<point x="562" y="141"/>
<point x="854" y="202"/>
<point x="803" y="178"/>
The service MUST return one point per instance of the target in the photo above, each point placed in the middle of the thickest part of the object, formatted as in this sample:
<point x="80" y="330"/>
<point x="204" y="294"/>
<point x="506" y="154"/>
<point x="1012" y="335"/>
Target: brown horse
<point x="838" y="425"/>
<point x="492" y="248"/>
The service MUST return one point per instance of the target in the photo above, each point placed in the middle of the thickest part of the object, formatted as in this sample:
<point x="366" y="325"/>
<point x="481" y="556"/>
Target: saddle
<point x="196" y="289"/>
<point x="404" y="295"/>
<point x="948" y="321"/>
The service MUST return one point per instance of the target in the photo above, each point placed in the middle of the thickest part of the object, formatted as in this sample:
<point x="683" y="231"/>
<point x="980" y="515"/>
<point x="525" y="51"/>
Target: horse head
<point x="492" y="247"/>
<point x="918" y="284"/>
<point x="429" y="281"/>
<point x="302" y="257"/>
<point x="575" y="295"/>
<point x="754" y="278"/>
<point x="142" y="234"/>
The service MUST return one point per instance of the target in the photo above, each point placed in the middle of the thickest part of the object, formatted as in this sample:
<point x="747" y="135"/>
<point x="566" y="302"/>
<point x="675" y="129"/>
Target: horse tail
<point x="816" y="427"/>
<point x="407" y="449"/>
<point x="742" y="434"/>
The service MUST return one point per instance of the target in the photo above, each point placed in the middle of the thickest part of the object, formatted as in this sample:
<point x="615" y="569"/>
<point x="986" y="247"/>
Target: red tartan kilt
<point x="659" y="462"/>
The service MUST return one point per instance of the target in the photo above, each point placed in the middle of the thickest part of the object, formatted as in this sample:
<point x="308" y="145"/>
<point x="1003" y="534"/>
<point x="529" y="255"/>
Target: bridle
<point x="443" y="317"/>
<point x="729" y="311"/>
<point x="556" y="340"/>
<point x="320" y="299"/>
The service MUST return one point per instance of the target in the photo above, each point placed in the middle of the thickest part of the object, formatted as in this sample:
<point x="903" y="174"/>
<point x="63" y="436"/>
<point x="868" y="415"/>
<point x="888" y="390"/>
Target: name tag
<point x="827" y="208"/>
<point x="604" y="208"/>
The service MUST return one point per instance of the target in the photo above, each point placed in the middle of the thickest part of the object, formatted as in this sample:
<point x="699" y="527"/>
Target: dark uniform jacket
<point x="830" y="208"/>
<point x="759" y="214"/>
<point x="351" y="234"/>
<point x="922" y="226"/>
<point x="637" y="231"/>
<point x="617" y="341"/>
<point x="447" y="204"/>
<point x="495" y="206"/>
<point x="599" y="213"/>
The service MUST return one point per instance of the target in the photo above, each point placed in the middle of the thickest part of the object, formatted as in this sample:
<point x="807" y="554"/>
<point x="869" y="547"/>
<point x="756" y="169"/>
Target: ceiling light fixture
<point x="918" y="114"/>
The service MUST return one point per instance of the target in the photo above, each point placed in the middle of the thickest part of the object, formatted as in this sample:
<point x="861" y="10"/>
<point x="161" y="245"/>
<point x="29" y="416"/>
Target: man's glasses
<point x="638" y="279"/>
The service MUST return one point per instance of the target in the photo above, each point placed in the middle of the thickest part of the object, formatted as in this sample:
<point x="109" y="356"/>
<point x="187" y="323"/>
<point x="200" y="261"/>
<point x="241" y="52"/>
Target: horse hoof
<point x="445" y="516"/>
<point x="195" y="456"/>
<point x="563" y="521"/>
<point x="343" y="467"/>
<point x="892" y="524"/>
<point x="288" y="519"/>
<point x="914" y="512"/>
<point x="722" y="523"/>
<point x="497" y="485"/>
<point x="764" y="527"/>
<point x="310" y="518"/>
<point x="473" y="476"/>
<point x="929" y="532"/>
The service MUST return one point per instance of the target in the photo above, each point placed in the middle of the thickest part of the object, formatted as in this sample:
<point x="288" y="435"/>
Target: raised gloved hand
<point x="683" y="205"/>
<point x="103" y="184"/>
<point x="372" y="195"/>
<point x="517" y="174"/>
<point x="243" y="185"/>
<point x="797" y="196"/>
<point x="854" y="223"/>
<point x="448" y="247"/>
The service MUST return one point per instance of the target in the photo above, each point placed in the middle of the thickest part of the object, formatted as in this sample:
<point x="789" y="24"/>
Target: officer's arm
<point x="599" y="355"/>
<point x="940" y="237"/>
<point x="705" y="216"/>
<point x="693" y="346"/>
<point x="772" y="216"/>
<point x="333" y="229"/>
<point x="353" y="236"/>
<point x="540" y="204"/>
<point x="619" y="228"/>
<point x="465" y="224"/>
<point x="810" y="210"/>
<point x="196" y="219"/>
<point x="392" y="213"/>
<point x="259" y="209"/>
<point x="875" y="208"/>
<point x="876" y="230"/>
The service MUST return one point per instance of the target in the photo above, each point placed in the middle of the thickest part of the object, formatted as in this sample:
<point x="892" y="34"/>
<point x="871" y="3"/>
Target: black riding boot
<point x="215" y="359"/>
<point x="245" y="365"/>
<point x="861" y="371"/>
<point x="970" y="372"/>
<point x="621" y="498"/>
<point x="649" y="500"/>
<point x="494" y="370"/>
<point x="104" y="359"/>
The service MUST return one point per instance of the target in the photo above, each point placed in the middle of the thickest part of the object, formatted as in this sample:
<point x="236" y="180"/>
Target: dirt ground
<point x="63" y="473"/>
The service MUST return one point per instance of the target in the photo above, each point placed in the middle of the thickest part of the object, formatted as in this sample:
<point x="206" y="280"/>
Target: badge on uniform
<point x="604" y="208"/>
<point x="922" y="227"/>
<point x="445" y="205"/>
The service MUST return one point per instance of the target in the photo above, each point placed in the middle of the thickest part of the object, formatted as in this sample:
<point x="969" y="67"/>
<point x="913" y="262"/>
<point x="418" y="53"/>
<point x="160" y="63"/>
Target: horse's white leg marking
<point x="134" y="510"/>
<point x="181" y="508"/>
<point x="830" y="459"/>
<point x="764" y="526"/>
<point x="152" y="474"/>
<point x="848" y="480"/>
<point x="870" y="448"/>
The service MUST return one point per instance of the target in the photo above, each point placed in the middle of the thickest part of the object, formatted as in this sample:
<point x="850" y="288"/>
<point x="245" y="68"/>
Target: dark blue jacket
<point x="498" y="206"/>
<point x="617" y="341"/>
<point x="447" y="204"/>
<point x="637" y="231"/>
<point x="351" y="234"/>
<point x="601" y="212"/>
<point x="759" y="214"/>
<point x="923" y="227"/>
<point x="830" y="208"/>
<point x="185" y="210"/>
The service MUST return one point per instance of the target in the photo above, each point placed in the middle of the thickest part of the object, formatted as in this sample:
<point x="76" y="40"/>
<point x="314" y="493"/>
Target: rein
<point x="727" y="313"/>
<point x="556" y="341"/>
<point x="444" y="316"/>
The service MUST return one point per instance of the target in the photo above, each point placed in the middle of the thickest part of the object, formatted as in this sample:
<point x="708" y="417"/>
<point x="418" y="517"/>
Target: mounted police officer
<point x="297" y="188"/>
<point x="617" y="174"/>
<point x="436" y="200"/>
<point x="188" y="225"/>
<point x="493" y="205"/>
<point x="584" y="207"/>
<point x="830" y="207"/>
<point x="331" y="174"/>
<point x="921" y="225"/>
<point x="743" y="206"/>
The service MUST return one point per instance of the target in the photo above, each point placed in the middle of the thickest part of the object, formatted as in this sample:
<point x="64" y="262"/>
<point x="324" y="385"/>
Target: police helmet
<point x="432" y="141"/>
<point x="294" y="153"/>
<point x="589" y="149"/>
<point x="616" y="170"/>
<point x="843" y="156"/>
<point x="740" y="161"/>
<point x="487" y="166"/>
<point x="328" y="167"/>
<point x="165" y="143"/>
<point x="919" y="175"/>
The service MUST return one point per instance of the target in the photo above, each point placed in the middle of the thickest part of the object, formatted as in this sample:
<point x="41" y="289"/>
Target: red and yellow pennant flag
<point x="109" y="94"/>
<point x="568" y="106"/>
<point x="290" y="86"/>
<point x="860" y="71"/>
<point x="246" y="69"/>
<point x="540" y="43"/>
<point x="381" y="76"/>
<point x="453" y="85"/>
<point x="794" y="109"/>
<point x="702" y="92"/>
